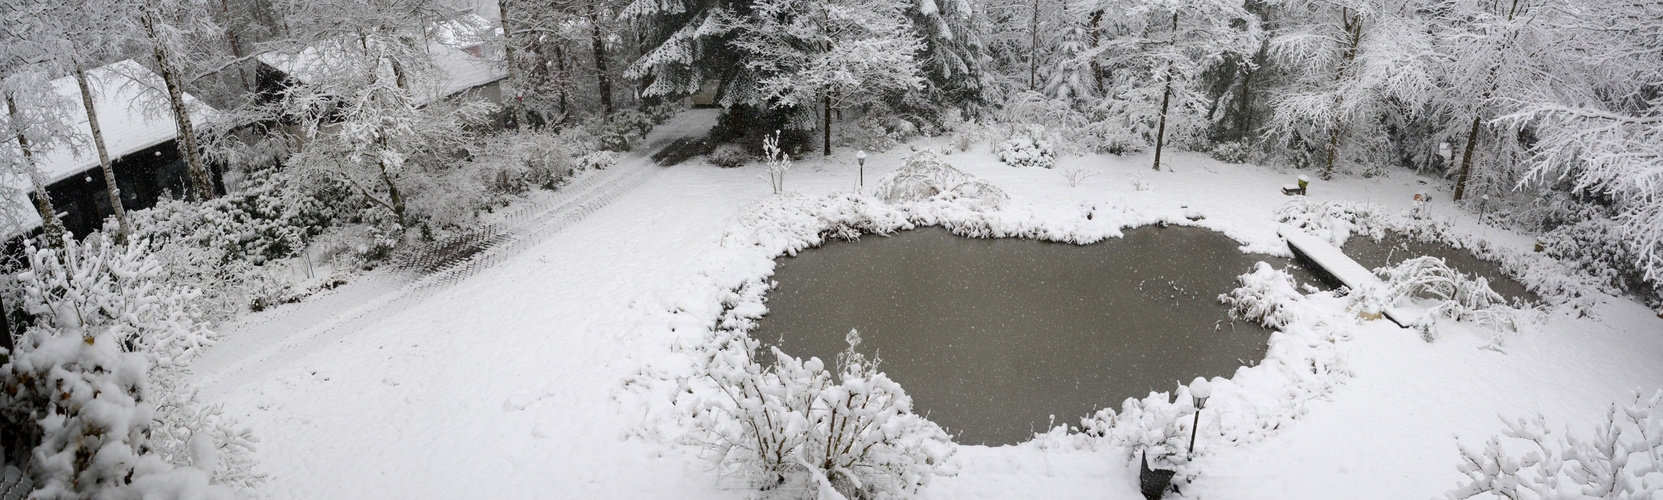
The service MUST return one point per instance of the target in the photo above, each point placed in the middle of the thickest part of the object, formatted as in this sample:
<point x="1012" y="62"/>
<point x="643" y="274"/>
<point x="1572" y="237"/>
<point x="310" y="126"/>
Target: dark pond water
<point x="992" y="337"/>
<point x="1396" y="248"/>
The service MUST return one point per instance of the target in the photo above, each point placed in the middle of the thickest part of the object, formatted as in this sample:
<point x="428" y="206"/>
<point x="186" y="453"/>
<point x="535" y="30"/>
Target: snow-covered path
<point x="495" y="385"/>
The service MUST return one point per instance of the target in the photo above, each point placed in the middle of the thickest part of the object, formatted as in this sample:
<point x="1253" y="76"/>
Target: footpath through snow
<point x="508" y="380"/>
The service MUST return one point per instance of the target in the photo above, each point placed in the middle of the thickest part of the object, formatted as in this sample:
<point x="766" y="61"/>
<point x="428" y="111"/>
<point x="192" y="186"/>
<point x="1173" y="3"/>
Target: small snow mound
<point x="925" y="176"/>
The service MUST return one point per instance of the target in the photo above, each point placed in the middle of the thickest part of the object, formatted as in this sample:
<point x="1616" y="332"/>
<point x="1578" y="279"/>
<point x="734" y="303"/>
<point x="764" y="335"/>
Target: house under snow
<point x="139" y="134"/>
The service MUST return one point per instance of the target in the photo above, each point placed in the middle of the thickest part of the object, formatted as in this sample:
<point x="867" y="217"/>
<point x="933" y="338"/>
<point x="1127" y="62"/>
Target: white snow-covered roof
<point x="133" y="114"/>
<point x="458" y="70"/>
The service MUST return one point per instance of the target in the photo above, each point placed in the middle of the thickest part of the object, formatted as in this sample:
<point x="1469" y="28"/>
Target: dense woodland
<point x="1546" y="117"/>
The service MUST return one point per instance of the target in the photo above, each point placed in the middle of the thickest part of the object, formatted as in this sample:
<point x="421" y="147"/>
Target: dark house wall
<point x="144" y="178"/>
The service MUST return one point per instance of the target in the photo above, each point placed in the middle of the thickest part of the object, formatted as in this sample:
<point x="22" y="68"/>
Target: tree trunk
<point x="1354" y="28"/>
<point x="1160" y="134"/>
<point x="827" y="128"/>
<point x="1466" y="160"/>
<point x="599" y="45"/>
<point x="201" y="184"/>
<point x="518" y="101"/>
<point x="103" y="154"/>
<point x="1096" y="37"/>
<point x="1166" y="100"/>
<point x="393" y="194"/>
<point x="564" y="76"/>
<point x="236" y="46"/>
<point x="1033" y="47"/>
<point x="50" y="224"/>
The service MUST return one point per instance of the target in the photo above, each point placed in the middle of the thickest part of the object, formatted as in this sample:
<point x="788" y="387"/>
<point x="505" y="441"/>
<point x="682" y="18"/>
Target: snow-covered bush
<point x="1110" y="138"/>
<point x="622" y="130"/>
<point x="99" y="386"/>
<point x="1267" y="296"/>
<point x="1028" y="148"/>
<point x="1600" y="246"/>
<point x="778" y="162"/>
<point x="1454" y="295"/>
<point x="797" y="430"/>
<point x="729" y="155"/>
<point x="599" y="160"/>
<point x="1232" y="152"/>
<point x="925" y="176"/>
<point x="1333" y="222"/>
<point x="270" y="218"/>
<point x="1621" y="459"/>
<point x="1075" y="173"/>
<point x="874" y="134"/>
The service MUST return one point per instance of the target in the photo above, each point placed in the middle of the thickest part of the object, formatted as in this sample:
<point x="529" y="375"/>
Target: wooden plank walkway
<point x="1334" y="262"/>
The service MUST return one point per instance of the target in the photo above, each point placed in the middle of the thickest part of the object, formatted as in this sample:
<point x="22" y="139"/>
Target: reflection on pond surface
<point x="993" y="337"/>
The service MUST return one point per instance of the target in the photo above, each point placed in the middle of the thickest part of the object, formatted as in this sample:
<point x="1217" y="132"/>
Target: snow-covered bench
<point x="1335" y="263"/>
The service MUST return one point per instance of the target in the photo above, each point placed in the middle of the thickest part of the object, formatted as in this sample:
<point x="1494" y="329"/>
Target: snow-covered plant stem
<point x="778" y="162"/>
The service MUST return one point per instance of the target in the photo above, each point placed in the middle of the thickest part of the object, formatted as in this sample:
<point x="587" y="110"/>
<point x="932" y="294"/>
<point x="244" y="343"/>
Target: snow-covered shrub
<point x="1267" y="296"/>
<point x="795" y="429"/>
<point x="729" y="156"/>
<point x="1075" y="173"/>
<point x="1600" y="246"/>
<point x="599" y="160"/>
<point x="269" y="219"/>
<point x="925" y="176"/>
<point x="1028" y="148"/>
<point x="1621" y="459"/>
<point x="872" y="134"/>
<point x="1455" y="295"/>
<point x="622" y="130"/>
<point x="1109" y="138"/>
<point x="778" y="162"/>
<point x="99" y="385"/>
<point x="1232" y="152"/>
<point x="222" y="246"/>
<point x="1333" y="222"/>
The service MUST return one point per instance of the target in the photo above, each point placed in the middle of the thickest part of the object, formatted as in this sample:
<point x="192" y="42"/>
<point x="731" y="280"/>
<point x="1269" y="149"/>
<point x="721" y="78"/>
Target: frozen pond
<point x="992" y="337"/>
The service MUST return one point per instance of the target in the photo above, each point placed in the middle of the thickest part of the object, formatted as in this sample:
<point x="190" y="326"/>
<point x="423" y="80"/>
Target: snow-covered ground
<point x="510" y="383"/>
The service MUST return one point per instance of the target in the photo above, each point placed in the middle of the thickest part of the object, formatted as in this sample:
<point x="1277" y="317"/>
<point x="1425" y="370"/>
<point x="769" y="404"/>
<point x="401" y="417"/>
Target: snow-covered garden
<point x="522" y="248"/>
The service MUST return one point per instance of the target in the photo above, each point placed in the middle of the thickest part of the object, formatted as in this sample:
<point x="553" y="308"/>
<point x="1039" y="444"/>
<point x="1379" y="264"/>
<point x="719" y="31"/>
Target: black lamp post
<point x="860" y="158"/>
<point x="1200" y="390"/>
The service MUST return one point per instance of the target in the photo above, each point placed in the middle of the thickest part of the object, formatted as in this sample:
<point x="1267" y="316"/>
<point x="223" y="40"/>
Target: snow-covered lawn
<point x="512" y="383"/>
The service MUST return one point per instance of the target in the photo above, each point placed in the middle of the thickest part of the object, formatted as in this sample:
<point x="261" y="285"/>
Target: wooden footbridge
<point x="1331" y="261"/>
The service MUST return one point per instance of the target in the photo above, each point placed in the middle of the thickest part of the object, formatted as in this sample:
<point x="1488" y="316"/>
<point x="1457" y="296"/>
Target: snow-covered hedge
<point x="99" y="385"/>
<point x="1621" y="459"/>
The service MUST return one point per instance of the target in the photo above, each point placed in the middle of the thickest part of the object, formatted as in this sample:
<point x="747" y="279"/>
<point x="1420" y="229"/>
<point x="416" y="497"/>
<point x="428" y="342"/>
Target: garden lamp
<point x="860" y="158"/>
<point x="1200" y="390"/>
